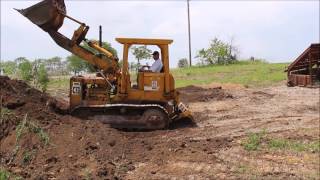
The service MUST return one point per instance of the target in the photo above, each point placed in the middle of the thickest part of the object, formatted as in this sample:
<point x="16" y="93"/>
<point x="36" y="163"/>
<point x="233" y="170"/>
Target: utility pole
<point x="100" y="36"/>
<point x="189" y="33"/>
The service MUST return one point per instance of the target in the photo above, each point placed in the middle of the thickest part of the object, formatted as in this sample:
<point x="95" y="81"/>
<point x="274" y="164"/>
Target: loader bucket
<point x="47" y="14"/>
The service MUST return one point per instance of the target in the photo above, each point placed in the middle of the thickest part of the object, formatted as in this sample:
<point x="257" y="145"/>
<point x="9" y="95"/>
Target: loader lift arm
<point x="107" y="63"/>
<point x="49" y="16"/>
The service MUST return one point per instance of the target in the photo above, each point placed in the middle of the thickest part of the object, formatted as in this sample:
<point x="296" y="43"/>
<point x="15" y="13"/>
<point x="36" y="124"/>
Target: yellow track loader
<point x="109" y="95"/>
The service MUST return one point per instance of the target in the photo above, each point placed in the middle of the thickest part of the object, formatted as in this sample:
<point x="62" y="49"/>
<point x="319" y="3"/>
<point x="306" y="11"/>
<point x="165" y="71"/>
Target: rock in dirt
<point x="112" y="143"/>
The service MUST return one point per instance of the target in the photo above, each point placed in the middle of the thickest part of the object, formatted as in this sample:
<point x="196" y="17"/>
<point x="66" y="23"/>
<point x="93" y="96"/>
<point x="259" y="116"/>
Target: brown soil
<point x="210" y="149"/>
<point x="191" y="94"/>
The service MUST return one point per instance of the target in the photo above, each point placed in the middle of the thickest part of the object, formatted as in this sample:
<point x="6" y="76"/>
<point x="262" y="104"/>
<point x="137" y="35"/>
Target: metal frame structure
<point x="305" y="70"/>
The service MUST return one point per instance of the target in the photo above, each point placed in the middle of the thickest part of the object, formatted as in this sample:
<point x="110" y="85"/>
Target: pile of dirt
<point x="198" y="94"/>
<point x="19" y="99"/>
<point x="34" y="133"/>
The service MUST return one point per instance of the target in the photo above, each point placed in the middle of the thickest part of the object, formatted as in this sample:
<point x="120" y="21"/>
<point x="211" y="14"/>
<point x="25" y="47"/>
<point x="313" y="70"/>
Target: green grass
<point x="25" y="126"/>
<point x="87" y="174"/>
<point x="6" y="175"/>
<point x="35" y="128"/>
<point x="58" y="82"/>
<point x="247" y="73"/>
<point x="242" y="169"/>
<point x="281" y="144"/>
<point x="260" y="141"/>
<point x="4" y="115"/>
<point x="253" y="141"/>
<point x="5" y="111"/>
<point x="28" y="126"/>
<point x="27" y="157"/>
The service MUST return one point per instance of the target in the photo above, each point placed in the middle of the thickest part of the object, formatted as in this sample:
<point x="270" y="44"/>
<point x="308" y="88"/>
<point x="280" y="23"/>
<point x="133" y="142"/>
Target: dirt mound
<point x="229" y="86"/>
<point x="199" y="94"/>
<point x="18" y="99"/>
<point x="34" y="133"/>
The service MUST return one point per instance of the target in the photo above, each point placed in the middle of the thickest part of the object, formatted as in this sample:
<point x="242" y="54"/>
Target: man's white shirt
<point x="156" y="66"/>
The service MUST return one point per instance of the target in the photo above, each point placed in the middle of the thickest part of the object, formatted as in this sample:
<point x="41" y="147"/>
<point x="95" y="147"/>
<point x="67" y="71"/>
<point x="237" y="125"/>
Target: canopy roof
<point x="144" y="41"/>
<point x="309" y="57"/>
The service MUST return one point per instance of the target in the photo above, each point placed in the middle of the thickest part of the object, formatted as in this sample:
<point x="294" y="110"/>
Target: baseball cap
<point x="155" y="53"/>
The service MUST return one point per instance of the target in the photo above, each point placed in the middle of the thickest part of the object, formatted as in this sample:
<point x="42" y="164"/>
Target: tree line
<point x="38" y="70"/>
<point x="34" y="72"/>
<point x="218" y="52"/>
<point x="77" y="65"/>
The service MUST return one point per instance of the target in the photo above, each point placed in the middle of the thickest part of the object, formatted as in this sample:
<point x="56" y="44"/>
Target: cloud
<point x="277" y="31"/>
<point x="259" y="28"/>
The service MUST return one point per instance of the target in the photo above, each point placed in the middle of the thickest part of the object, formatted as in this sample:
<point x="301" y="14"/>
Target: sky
<point x="277" y="31"/>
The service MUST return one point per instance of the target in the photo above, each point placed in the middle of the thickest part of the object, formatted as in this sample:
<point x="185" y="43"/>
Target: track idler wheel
<point x="155" y="119"/>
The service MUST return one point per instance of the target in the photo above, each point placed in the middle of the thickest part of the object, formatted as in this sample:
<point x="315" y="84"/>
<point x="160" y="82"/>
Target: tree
<point x="105" y="45"/>
<point x="141" y="52"/>
<point x="233" y="51"/>
<point x="202" y="56"/>
<point x="183" y="63"/>
<point x="76" y="64"/>
<point x="219" y="52"/>
<point x="9" y="67"/>
<point x="20" y="60"/>
<point x="53" y="64"/>
<point x="42" y="77"/>
<point x="133" y="66"/>
<point x="24" y="69"/>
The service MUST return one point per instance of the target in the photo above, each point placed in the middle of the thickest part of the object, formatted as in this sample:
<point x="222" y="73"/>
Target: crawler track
<point x="127" y="116"/>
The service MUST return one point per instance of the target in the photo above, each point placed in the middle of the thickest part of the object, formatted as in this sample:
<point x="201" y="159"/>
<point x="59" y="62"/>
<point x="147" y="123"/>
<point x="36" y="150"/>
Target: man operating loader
<point x="156" y="66"/>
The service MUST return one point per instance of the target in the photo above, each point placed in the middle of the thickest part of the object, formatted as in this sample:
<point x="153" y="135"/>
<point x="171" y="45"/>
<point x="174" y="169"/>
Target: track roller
<point x="155" y="119"/>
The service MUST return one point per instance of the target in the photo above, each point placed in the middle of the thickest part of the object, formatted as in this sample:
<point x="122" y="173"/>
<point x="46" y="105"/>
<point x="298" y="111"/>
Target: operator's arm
<point x="156" y="66"/>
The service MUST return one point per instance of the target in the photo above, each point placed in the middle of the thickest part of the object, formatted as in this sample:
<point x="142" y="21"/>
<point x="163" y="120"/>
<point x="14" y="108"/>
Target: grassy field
<point x="58" y="82"/>
<point x="249" y="74"/>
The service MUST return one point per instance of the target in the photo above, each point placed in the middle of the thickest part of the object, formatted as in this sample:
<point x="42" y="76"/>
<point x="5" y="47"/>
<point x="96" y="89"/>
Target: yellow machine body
<point x="153" y="100"/>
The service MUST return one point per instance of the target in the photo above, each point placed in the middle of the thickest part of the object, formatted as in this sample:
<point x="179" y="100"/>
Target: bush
<point x="218" y="52"/>
<point x="42" y="77"/>
<point x="9" y="67"/>
<point x="183" y="63"/>
<point x="25" y="70"/>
